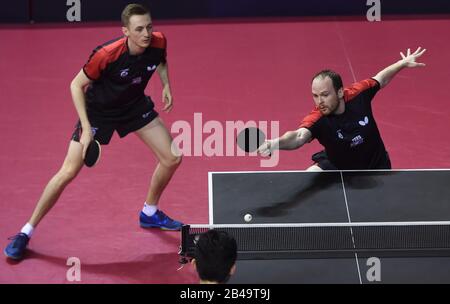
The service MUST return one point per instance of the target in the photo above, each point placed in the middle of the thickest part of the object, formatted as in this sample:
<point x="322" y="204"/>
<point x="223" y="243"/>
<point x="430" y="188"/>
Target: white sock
<point x="149" y="210"/>
<point x="27" y="229"/>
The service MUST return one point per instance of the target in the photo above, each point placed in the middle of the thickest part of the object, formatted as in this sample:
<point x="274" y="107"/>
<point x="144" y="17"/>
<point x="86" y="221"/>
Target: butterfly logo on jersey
<point x="364" y="122"/>
<point x="339" y="134"/>
<point x="151" y="68"/>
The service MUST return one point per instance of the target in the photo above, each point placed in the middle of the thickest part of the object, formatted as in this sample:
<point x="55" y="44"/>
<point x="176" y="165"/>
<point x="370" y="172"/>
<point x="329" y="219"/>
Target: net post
<point x="184" y="246"/>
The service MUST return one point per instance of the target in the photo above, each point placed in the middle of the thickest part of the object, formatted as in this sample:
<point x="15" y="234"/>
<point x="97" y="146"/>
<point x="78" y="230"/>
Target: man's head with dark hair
<point x="335" y="78"/>
<point x="131" y="10"/>
<point x="328" y="92"/>
<point x="215" y="256"/>
<point x="137" y="26"/>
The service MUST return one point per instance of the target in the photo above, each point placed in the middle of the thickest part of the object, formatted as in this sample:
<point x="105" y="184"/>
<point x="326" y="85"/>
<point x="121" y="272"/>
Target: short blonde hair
<point x="131" y="10"/>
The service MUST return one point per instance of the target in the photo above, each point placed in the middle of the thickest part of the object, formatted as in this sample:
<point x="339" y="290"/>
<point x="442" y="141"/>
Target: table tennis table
<point x="336" y="197"/>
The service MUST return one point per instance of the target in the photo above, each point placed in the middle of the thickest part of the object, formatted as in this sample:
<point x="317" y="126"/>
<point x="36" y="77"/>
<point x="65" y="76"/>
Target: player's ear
<point x="125" y="31"/>
<point x="341" y="93"/>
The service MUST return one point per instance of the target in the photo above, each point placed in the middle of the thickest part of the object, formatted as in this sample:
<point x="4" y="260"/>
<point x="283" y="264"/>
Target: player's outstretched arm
<point x="291" y="140"/>
<point x="408" y="61"/>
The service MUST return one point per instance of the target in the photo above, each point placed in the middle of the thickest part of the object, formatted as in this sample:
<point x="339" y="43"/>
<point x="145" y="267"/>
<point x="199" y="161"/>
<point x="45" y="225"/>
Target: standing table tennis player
<point x="108" y="94"/>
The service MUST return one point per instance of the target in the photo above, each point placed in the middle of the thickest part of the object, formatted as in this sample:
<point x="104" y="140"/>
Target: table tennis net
<point x="329" y="240"/>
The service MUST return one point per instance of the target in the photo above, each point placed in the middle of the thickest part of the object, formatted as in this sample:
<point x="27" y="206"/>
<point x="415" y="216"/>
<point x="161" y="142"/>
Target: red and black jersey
<point x="352" y="139"/>
<point x="118" y="78"/>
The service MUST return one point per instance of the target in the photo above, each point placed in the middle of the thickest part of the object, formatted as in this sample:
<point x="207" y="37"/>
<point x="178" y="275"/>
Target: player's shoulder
<point x="364" y="84"/>
<point x="115" y="45"/>
<point x="314" y="118"/>
<point x="353" y="90"/>
<point x="158" y="40"/>
<point x="112" y="48"/>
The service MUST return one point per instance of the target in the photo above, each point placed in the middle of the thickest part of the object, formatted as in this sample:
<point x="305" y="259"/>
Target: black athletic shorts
<point x="321" y="160"/>
<point x="103" y="127"/>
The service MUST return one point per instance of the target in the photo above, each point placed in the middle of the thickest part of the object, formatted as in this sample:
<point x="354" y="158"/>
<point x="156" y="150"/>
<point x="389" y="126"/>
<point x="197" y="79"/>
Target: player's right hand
<point x="266" y="148"/>
<point x="86" y="137"/>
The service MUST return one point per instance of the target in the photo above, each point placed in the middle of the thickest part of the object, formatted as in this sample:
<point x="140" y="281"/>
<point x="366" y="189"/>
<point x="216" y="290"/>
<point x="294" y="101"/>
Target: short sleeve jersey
<point x="119" y="78"/>
<point x="352" y="139"/>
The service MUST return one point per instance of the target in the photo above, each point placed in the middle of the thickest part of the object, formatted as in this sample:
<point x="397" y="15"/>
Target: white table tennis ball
<point x="247" y="217"/>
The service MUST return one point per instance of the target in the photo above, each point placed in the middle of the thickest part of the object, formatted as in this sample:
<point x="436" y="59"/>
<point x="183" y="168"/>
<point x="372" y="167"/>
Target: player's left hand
<point x="410" y="59"/>
<point x="167" y="99"/>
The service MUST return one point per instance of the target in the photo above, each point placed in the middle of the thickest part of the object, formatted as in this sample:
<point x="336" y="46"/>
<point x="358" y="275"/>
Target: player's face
<point x="139" y="30"/>
<point x="325" y="96"/>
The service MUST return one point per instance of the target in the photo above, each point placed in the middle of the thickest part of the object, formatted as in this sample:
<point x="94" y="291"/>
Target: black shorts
<point x="321" y="160"/>
<point x="129" y="121"/>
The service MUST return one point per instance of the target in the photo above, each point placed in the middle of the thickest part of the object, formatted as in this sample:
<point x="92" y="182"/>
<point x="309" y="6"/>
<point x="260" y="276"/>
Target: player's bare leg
<point x="69" y="170"/>
<point x="156" y="136"/>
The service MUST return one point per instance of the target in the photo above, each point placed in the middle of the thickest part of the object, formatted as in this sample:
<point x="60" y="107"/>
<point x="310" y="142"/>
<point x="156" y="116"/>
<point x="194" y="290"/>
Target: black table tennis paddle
<point x="250" y="139"/>
<point x="92" y="154"/>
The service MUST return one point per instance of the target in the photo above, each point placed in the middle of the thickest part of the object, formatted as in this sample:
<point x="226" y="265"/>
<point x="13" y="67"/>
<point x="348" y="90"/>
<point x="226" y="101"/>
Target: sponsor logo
<point x="137" y="80"/>
<point x="124" y="73"/>
<point x="357" y="140"/>
<point x="364" y="122"/>
<point x="94" y="130"/>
